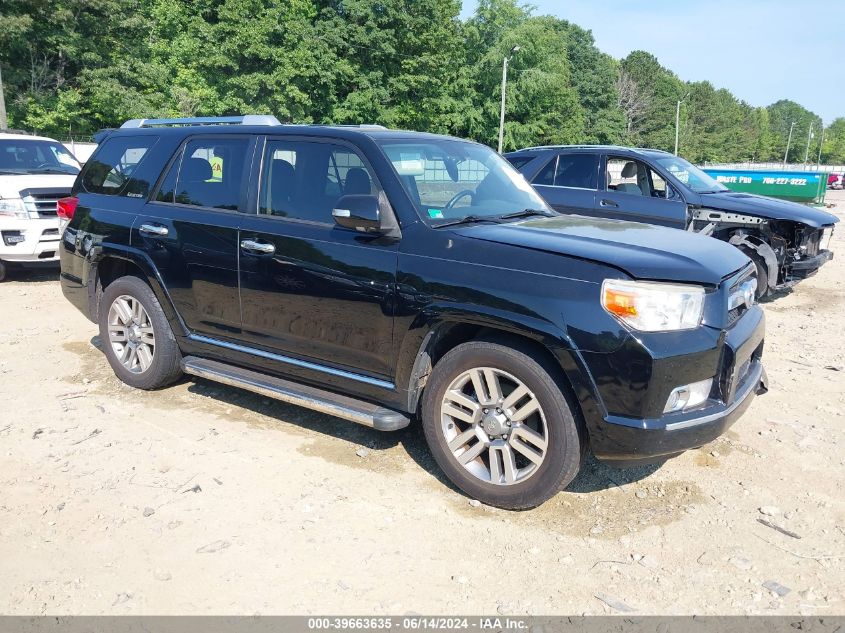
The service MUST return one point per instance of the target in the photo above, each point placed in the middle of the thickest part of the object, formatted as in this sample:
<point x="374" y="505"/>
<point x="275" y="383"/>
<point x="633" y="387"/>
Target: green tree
<point x="657" y="126"/>
<point x="782" y="114"/>
<point x="833" y="149"/>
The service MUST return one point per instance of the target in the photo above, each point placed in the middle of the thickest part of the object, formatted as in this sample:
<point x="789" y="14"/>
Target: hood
<point x="764" y="207"/>
<point x="12" y="185"/>
<point x="644" y="251"/>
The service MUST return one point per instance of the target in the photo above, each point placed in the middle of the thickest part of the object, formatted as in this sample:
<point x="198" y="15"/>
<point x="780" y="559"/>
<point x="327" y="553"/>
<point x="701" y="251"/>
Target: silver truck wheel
<point x="494" y="426"/>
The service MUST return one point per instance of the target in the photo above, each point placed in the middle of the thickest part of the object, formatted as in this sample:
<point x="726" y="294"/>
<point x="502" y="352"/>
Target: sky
<point x="760" y="50"/>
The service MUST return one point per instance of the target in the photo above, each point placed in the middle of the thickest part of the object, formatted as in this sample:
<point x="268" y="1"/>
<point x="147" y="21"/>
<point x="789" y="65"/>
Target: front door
<point x="634" y="191"/>
<point x="190" y="231"/>
<point x="309" y="288"/>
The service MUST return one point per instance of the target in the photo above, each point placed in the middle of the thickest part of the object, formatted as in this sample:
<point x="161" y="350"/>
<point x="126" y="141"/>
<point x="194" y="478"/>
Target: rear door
<point x="190" y="231"/>
<point x="309" y="288"/>
<point x="632" y="190"/>
<point x="569" y="182"/>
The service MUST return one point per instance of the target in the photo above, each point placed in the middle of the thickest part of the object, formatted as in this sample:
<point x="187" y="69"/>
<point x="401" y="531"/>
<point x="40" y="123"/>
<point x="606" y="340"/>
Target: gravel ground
<point x="202" y="499"/>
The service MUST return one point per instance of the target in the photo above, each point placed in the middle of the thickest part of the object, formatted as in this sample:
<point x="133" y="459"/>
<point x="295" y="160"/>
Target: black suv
<point x="785" y="240"/>
<point x="381" y="275"/>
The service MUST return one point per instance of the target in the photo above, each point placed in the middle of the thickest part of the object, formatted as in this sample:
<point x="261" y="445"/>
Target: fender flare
<point x="422" y="339"/>
<point x="142" y="261"/>
<point x="763" y="250"/>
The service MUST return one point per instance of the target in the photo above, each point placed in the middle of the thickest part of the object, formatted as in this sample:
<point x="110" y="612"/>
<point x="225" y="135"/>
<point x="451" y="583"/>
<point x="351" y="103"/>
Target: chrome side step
<point x="313" y="398"/>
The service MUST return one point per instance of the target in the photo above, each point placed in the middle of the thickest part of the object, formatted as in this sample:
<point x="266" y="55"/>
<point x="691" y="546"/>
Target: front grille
<point x="43" y="204"/>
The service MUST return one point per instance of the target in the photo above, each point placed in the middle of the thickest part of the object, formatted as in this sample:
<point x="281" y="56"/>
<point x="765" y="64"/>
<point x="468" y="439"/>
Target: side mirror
<point x="357" y="212"/>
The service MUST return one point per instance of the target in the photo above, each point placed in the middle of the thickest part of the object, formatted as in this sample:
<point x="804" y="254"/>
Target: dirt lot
<point x="203" y="499"/>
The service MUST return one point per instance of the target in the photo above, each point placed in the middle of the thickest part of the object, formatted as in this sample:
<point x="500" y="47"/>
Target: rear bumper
<point x="806" y="267"/>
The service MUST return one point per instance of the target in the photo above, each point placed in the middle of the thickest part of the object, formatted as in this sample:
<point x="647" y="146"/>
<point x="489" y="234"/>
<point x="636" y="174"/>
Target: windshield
<point x="450" y="179"/>
<point x="691" y="175"/>
<point x="26" y="156"/>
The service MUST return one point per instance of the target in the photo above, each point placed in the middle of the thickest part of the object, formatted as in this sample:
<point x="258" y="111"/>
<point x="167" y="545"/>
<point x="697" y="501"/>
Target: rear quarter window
<point x="111" y="169"/>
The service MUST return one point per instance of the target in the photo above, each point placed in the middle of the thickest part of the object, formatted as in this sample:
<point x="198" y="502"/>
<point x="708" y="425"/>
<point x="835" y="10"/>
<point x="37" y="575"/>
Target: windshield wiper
<point x="527" y="213"/>
<point x="53" y="171"/>
<point x="469" y="219"/>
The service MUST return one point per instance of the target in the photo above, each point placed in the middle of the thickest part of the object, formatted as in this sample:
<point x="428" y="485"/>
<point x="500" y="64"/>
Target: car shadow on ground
<point x="25" y="275"/>
<point x="594" y="475"/>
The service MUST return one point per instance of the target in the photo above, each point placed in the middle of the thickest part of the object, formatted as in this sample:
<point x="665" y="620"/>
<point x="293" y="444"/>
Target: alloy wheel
<point x="494" y="426"/>
<point x="131" y="334"/>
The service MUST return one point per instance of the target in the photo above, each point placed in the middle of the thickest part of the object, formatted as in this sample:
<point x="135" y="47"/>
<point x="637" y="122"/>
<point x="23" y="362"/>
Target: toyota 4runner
<point x="383" y="276"/>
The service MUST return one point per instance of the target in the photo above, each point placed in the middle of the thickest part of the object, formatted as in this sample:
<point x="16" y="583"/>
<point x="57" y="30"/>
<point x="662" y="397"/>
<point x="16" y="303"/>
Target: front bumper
<point x="638" y="446"/>
<point x="805" y="267"/>
<point x="624" y="441"/>
<point x="29" y="241"/>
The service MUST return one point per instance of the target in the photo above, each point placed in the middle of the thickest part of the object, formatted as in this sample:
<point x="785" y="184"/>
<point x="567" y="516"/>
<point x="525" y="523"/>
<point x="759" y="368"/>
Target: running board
<point x="305" y="396"/>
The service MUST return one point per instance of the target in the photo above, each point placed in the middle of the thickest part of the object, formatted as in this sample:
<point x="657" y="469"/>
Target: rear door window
<point x="110" y="170"/>
<point x="207" y="173"/>
<point x="579" y="171"/>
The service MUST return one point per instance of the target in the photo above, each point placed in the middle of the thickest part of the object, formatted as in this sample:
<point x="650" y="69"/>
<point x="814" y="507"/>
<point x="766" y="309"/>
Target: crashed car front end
<point x="790" y="250"/>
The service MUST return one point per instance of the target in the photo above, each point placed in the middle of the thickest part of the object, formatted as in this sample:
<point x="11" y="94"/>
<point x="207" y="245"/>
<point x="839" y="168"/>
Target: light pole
<point x="821" y="144"/>
<point x="678" y="120"/>
<point x="788" y="142"/>
<point x="504" y="88"/>
<point x="809" y="136"/>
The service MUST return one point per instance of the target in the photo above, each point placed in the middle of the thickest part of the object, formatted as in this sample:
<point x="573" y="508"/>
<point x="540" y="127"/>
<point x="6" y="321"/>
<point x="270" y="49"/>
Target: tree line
<point x="71" y="67"/>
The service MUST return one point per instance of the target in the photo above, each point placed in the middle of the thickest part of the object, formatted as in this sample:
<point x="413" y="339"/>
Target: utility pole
<point x="788" y="142"/>
<point x="504" y="89"/>
<point x="678" y="121"/>
<point x="4" y="122"/>
<point x="821" y="144"/>
<point x="809" y="136"/>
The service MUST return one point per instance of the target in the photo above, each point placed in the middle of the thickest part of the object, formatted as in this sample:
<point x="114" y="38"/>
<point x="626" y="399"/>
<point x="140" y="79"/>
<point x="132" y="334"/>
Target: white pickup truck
<point x="35" y="172"/>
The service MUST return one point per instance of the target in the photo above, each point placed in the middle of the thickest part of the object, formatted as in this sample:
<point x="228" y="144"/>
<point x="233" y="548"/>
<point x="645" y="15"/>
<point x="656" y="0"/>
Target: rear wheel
<point x="499" y="425"/>
<point x="136" y="336"/>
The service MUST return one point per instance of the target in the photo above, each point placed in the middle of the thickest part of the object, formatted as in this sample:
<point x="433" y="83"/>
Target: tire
<point x="526" y="484"/>
<point x="762" y="273"/>
<point x="156" y="362"/>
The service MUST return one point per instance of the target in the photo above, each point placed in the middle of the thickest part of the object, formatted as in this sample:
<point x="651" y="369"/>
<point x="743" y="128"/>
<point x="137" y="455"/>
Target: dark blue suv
<point x="382" y="276"/>
<point x="785" y="240"/>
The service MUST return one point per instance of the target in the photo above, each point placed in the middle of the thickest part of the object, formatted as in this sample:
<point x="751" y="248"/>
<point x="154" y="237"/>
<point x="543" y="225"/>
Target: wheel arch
<point x="111" y="264"/>
<point x="425" y="345"/>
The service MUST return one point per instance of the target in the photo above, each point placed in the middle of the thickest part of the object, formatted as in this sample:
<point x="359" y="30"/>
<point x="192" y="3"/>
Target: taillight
<point x="66" y="207"/>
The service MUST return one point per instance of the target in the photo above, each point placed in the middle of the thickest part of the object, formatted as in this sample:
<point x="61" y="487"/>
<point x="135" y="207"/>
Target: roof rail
<point x="247" y="119"/>
<point x="362" y="126"/>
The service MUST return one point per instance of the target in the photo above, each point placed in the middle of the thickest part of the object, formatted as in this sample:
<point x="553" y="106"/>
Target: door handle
<point x="258" y="247"/>
<point x="608" y="203"/>
<point x="153" y="229"/>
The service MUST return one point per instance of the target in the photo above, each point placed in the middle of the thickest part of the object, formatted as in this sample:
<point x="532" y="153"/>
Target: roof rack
<point x="362" y="126"/>
<point x="247" y="119"/>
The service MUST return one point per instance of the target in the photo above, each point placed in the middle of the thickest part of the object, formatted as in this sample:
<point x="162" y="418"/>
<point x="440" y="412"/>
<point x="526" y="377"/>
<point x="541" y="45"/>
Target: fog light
<point x="688" y="396"/>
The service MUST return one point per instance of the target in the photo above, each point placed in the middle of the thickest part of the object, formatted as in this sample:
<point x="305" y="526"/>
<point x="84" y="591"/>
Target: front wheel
<point x="136" y="336"/>
<point x="499" y="425"/>
<point x="762" y="273"/>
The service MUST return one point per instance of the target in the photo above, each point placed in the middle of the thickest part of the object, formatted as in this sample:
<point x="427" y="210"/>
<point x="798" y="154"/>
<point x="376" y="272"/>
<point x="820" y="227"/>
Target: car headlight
<point x="653" y="306"/>
<point x="13" y="207"/>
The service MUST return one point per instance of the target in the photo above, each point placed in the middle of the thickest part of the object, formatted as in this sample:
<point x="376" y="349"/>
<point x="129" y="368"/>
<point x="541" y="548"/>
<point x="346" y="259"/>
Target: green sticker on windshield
<point x="435" y="213"/>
